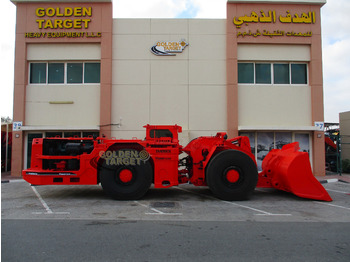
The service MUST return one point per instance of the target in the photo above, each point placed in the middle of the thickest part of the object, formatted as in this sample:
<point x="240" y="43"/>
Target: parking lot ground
<point x="183" y="203"/>
<point x="185" y="223"/>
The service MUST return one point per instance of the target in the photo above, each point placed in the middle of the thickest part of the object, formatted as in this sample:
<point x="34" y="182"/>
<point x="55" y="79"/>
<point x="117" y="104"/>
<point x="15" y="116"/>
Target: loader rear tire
<point x="231" y="175"/>
<point x="126" y="182"/>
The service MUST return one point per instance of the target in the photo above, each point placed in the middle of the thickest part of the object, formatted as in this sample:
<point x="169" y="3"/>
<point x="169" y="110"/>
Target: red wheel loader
<point x="127" y="168"/>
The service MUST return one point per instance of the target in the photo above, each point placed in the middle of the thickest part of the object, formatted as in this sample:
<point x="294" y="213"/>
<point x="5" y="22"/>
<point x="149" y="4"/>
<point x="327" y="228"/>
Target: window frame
<point x="272" y="73"/>
<point x="65" y="67"/>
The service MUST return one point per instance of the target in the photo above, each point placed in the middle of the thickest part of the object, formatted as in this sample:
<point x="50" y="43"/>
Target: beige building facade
<point x="344" y="124"/>
<point x="258" y="73"/>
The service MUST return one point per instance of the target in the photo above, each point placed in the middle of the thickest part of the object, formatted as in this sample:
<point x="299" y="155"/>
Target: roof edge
<point x="60" y="1"/>
<point x="305" y="2"/>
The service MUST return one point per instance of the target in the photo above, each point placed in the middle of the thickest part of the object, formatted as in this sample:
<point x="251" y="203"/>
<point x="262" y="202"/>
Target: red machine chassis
<point x="80" y="161"/>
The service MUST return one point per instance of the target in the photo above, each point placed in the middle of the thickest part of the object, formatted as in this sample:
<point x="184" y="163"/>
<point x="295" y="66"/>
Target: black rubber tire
<point x="217" y="180"/>
<point x="142" y="176"/>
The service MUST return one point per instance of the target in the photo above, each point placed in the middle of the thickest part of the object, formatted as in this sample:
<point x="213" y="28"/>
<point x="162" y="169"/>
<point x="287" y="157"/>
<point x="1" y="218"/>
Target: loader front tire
<point x="231" y="175"/>
<point x="126" y="182"/>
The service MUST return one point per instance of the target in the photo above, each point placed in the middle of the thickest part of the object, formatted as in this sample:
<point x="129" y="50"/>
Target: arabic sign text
<point x="271" y="17"/>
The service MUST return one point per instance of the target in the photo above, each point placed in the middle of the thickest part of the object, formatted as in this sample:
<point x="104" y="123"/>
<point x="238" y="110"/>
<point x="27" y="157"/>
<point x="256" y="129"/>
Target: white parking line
<point x="12" y="181"/>
<point x="46" y="206"/>
<point x="332" y="205"/>
<point x="263" y="213"/>
<point x="337" y="191"/>
<point x="158" y="212"/>
<point x="55" y="213"/>
<point x="332" y="180"/>
<point x="48" y="210"/>
<point x="164" y="214"/>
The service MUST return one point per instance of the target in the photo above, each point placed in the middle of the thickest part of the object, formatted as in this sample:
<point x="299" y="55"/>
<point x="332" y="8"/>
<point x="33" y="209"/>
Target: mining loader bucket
<point x="289" y="170"/>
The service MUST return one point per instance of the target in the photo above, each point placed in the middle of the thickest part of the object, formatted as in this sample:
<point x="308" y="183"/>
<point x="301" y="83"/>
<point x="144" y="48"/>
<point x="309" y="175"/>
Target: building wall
<point x="39" y="40"/>
<point x="277" y="101"/>
<point x="273" y="107"/>
<point x="197" y="89"/>
<point x="41" y="107"/>
<point x="344" y="123"/>
<point x="188" y="89"/>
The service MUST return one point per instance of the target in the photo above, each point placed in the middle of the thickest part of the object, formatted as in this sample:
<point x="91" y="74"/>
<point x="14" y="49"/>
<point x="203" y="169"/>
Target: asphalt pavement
<point x="202" y="241"/>
<point x="184" y="223"/>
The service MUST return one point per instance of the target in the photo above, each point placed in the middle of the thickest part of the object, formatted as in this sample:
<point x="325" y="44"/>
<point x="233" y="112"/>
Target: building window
<point x="272" y="73"/>
<point x="263" y="73"/>
<point x="283" y="138"/>
<point x="92" y="73"/>
<point x="56" y="73"/>
<point x="64" y="73"/>
<point x="74" y="73"/>
<point x="72" y="134"/>
<point x="303" y="140"/>
<point x="38" y="73"/>
<point x="91" y="134"/>
<point x="299" y="74"/>
<point x="53" y="134"/>
<point x="261" y="143"/>
<point x="246" y="73"/>
<point x="281" y="73"/>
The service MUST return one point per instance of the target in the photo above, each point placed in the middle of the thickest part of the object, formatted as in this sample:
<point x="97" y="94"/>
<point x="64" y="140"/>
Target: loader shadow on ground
<point x="180" y="193"/>
<point x="72" y="192"/>
<point x="96" y="192"/>
<point x="203" y="194"/>
<point x="271" y="194"/>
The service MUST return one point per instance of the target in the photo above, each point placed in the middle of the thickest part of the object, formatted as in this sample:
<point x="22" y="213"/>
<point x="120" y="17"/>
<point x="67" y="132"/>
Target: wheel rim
<point x="125" y="175"/>
<point x="232" y="175"/>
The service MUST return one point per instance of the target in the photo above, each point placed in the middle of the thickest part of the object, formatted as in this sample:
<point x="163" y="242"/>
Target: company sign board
<point x="63" y="22"/>
<point x="274" y="17"/>
<point x="168" y="48"/>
